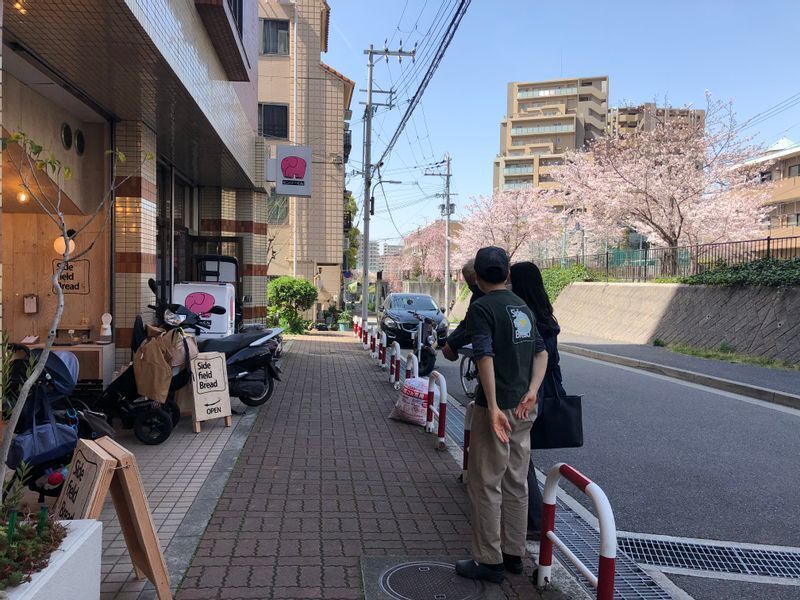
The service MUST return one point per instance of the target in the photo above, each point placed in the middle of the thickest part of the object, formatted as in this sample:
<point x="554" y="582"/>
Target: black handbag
<point x="559" y="422"/>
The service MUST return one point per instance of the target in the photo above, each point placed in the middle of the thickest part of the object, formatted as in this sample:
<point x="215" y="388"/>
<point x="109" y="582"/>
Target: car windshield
<point x="413" y="302"/>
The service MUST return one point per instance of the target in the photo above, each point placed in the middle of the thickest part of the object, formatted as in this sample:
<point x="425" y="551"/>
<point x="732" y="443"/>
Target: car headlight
<point x="443" y="324"/>
<point x="389" y="322"/>
<point x="170" y="318"/>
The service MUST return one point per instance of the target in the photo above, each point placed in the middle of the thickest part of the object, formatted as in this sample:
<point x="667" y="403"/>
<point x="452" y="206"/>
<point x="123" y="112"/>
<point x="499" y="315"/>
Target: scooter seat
<point x="230" y="344"/>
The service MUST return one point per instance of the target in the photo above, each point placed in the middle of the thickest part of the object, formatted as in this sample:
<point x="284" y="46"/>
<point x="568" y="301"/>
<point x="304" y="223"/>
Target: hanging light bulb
<point x="22" y="197"/>
<point x="60" y="247"/>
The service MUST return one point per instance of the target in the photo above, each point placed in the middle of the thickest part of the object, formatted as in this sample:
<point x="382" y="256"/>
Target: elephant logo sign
<point x="293" y="167"/>
<point x="199" y="303"/>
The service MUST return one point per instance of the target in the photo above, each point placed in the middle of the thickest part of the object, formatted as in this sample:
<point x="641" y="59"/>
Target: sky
<point x="738" y="50"/>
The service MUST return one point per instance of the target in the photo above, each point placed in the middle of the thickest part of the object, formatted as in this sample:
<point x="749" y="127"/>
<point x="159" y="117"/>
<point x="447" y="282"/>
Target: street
<point x="682" y="460"/>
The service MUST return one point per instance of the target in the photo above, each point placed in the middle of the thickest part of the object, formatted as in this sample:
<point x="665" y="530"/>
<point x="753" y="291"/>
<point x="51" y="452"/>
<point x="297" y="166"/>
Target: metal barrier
<point x="438" y="380"/>
<point x="604" y="582"/>
<point x="467" y="432"/>
<point x="382" y="351"/>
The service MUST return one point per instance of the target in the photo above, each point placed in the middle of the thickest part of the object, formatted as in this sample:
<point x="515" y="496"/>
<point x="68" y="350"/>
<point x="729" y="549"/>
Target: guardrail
<point x="604" y="581"/>
<point x="412" y="365"/>
<point x="394" y="363"/>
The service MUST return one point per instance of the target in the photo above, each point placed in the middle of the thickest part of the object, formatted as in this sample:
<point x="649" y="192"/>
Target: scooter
<point x="250" y="360"/>
<point x="424" y="339"/>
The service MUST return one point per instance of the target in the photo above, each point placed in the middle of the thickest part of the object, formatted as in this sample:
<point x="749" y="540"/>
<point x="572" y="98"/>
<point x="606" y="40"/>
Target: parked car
<point x="398" y="317"/>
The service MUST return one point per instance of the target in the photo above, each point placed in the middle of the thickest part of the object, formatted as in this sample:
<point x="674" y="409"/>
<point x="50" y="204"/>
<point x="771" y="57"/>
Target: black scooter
<point x="252" y="367"/>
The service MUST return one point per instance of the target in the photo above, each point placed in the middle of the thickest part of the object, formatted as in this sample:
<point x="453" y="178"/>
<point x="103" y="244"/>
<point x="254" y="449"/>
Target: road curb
<point x="726" y="385"/>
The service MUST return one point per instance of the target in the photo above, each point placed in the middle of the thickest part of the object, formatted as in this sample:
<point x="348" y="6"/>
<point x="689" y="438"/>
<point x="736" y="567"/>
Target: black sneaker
<point x="473" y="570"/>
<point x="512" y="564"/>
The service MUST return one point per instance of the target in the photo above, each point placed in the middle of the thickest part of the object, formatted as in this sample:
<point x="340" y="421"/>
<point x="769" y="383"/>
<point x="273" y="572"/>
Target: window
<point x="794" y="171"/>
<point x="275" y="36"/>
<point x="273" y="120"/>
<point x="277" y="209"/>
<point x="766" y="176"/>
<point x="238" y="14"/>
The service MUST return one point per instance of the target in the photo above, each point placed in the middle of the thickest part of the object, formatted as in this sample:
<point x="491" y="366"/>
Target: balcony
<point x="517" y="185"/>
<point x="539" y="93"/>
<point x="348" y="144"/>
<point x="543" y="129"/>
<point x="223" y="21"/>
<point x="521" y="170"/>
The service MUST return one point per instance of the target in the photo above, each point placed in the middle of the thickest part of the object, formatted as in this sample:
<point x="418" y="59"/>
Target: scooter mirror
<point x="217" y="310"/>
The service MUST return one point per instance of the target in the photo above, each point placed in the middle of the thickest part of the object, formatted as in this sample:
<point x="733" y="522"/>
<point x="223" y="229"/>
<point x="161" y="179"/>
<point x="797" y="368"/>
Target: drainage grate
<point x="630" y="581"/>
<point x="713" y="557"/>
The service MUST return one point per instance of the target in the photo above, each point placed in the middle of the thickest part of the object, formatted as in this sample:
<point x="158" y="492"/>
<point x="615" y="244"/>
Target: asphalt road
<point x="682" y="460"/>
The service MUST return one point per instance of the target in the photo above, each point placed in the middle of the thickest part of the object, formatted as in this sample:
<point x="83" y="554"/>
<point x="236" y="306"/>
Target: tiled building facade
<point x="175" y="80"/>
<point x="303" y="101"/>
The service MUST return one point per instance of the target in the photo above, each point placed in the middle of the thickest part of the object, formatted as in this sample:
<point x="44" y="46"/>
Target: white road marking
<point x="762" y="403"/>
<point x="726" y="576"/>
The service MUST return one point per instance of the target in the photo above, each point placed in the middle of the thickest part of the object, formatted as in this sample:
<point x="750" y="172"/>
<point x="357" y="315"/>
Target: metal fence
<point x="661" y="263"/>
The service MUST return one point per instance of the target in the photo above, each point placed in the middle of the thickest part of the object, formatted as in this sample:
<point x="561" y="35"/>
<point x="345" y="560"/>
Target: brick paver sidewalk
<point x="324" y="478"/>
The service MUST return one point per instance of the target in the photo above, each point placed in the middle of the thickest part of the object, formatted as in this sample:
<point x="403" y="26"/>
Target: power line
<point x="448" y="37"/>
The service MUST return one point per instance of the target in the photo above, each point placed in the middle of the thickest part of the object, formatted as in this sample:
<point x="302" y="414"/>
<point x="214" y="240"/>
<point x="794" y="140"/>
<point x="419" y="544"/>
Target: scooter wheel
<point x="174" y="411"/>
<point x="152" y="426"/>
<point x="427" y="362"/>
<point x="269" y="386"/>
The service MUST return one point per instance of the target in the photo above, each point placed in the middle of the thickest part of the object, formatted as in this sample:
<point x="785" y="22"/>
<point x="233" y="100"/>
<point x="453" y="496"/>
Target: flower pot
<point x="73" y="572"/>
<point x="345" y="326"/>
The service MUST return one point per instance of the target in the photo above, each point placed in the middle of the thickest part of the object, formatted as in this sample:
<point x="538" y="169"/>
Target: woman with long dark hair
<point x="527" y="283"/>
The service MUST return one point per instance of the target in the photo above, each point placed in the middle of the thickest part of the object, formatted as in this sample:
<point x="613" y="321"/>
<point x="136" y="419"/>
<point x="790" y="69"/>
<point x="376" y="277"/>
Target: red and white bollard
<point x="467" y="432"/>
<point x="373" y="342"/>
<point x="604" y="582"/>
<point x="382" y="350"/>
<point x="365" y="335"/>
<point x="355" y="326"/>
<point x="412" y="365"/>
<point x="394" y="364"/>
<point x="436" y="379"/>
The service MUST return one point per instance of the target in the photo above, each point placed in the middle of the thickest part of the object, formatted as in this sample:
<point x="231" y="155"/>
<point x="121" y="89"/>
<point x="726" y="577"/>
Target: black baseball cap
<point x="491" y="264"/>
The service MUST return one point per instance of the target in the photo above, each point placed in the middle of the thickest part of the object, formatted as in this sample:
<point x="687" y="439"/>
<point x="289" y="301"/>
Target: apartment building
<point x="380" y="254"/>
<point x="645" y="117"/>
<point x="303" y="101"/>
<point x="543" y="120"/>
<point x="175" y="80"/>
<point x="784" y="158"/>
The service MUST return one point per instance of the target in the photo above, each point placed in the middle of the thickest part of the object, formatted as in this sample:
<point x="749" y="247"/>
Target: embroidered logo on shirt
<point x="523" y="326"/>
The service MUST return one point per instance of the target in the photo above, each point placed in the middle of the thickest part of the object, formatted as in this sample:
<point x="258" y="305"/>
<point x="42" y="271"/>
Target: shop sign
<point x="293" y="171"/>
<point x="210" y="387"/>
<point x="75" y="278"/>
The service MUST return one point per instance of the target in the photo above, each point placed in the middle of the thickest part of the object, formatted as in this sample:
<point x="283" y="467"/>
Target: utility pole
<point x="446" y="210"/>
<point x="367" y="166"/>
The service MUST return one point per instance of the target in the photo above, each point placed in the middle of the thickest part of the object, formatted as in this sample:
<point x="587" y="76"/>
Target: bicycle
<point x="468" y="372"/>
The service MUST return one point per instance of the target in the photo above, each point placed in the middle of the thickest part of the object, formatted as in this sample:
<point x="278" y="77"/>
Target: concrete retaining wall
<point x="432" y="288"/>
<point x="757" y="321"/>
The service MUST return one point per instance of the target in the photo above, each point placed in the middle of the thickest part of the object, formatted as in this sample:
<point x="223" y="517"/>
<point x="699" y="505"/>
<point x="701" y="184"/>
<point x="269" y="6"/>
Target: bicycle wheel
<point x="469" y="376"/>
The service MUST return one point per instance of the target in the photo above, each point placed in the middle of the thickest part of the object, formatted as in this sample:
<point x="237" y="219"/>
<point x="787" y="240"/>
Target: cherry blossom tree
<point x="511" y="219"/>
<point x="682" y="182"/>
<point x="424" y="251"/>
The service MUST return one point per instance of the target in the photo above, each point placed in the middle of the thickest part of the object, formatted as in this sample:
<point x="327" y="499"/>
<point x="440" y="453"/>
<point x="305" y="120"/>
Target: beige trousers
<point x="498" y="486"/>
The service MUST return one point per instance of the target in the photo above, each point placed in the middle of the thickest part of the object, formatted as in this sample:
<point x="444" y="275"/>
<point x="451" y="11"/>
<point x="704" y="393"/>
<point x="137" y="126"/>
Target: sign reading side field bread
<point x="210" y="388"/>
<point x="86" y="487"/>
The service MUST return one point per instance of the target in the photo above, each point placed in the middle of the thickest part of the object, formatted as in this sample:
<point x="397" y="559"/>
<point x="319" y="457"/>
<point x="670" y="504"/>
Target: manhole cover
<point x="424" y="580"/>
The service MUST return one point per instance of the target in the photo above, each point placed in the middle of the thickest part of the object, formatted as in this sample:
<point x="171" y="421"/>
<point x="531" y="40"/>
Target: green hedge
<point x="765" y="272"/>
<point x="557" y="278"/>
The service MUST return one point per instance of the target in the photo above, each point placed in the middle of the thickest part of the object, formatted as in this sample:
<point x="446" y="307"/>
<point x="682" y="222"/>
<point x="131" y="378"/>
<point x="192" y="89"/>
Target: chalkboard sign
<point x="210" y="392"/>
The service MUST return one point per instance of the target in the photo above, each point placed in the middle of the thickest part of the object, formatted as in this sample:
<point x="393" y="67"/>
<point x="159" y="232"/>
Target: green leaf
<point x="67" y="173"/>
<point x="121" y="156"/>
<point x="36" y="149"/>
<point x="148" y="156"/>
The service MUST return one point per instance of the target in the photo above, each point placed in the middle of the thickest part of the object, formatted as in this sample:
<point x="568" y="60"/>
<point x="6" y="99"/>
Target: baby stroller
<point x="49" y="426"/>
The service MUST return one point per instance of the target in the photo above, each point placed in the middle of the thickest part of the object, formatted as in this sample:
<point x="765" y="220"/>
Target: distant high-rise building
<point x="645" y="117"/>
<point x="380" y="253"/>
<point x="544" y="119"/>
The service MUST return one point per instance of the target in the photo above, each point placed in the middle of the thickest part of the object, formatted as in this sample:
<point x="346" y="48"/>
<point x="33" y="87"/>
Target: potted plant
<point x="345" y="320"/>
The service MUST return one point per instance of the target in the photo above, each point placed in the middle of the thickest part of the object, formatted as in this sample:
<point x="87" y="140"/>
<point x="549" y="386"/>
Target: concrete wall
<point x="432" y="288"/>
<point x="758" y="321"/>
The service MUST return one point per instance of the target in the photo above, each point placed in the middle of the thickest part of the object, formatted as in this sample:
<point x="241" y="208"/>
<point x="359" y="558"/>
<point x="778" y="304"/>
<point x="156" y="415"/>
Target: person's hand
<point x="448" y="353"/>
<point x="525" y="405"/>
<point x="500" y="425"/>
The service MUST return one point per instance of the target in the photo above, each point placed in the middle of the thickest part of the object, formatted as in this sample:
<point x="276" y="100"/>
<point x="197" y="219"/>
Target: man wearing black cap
<point x="511" y="360"/>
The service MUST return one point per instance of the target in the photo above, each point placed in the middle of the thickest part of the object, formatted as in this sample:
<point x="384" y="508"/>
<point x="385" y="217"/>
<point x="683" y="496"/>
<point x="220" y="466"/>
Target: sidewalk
<point x="779" y="380"/>
<point x="326" y="479"/>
